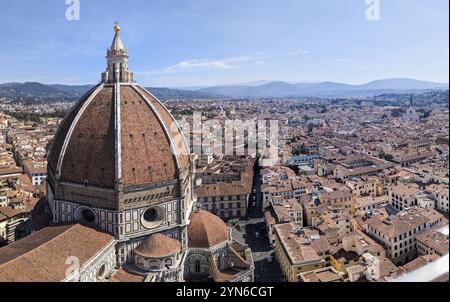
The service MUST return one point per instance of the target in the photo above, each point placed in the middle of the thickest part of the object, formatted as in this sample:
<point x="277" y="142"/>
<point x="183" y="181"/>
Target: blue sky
<point x="179" y="43"/>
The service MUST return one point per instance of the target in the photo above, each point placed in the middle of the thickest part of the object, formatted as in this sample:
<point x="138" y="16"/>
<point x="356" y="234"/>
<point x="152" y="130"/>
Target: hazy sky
<point x="176" y="43"/>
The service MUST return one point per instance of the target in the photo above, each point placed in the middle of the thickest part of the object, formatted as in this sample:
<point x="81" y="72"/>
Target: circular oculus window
<point x="102" y="272"/>
<point x="86" y="215"/>
<point x="153" y="217"/>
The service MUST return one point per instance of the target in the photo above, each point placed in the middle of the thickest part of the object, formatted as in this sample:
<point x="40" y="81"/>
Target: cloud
<point x="209" y="64"/>
<point x="193" y="65"/>
<point x="343" y="60"/>
<point x="299" y="52"/>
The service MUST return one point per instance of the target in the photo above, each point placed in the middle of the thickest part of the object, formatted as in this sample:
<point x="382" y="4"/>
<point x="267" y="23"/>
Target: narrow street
<point x="255" y="235"/>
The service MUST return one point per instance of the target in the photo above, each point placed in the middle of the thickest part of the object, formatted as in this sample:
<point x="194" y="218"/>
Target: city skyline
<point x="124" y="183"/>
<point x="227" y="44"/>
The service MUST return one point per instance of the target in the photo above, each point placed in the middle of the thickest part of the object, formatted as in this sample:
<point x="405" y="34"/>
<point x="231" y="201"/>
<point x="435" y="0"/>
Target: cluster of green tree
<point x="397" y="112"/>
<point x="425" y="113"/>
<point x="182" y="112"/>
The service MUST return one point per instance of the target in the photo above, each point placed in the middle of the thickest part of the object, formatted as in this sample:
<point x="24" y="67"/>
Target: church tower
<point x="120" y="163"/>
<point x="411" y="115"/>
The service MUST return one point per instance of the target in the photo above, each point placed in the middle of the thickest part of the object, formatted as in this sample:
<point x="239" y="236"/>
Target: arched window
<point x="154" y="265"/>
<point x="140" y="261"/>
<point x="221" y="262"/>
<point x="114" y="72"/>
<point x="197" y="266"/>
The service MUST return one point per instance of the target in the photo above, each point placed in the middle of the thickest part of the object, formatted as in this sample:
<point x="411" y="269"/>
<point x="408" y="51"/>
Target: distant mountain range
<point x="283" y="89"/>
<point x="33" y="90"/>
<point x="263" y="89"/>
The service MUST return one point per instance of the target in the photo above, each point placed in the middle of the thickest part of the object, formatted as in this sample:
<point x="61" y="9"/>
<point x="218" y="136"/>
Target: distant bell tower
<point x="117" y="61"/>
<point x="411" y="114"/>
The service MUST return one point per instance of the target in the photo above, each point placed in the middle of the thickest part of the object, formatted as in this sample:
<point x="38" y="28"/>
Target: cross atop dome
<point x="117" y="62"/>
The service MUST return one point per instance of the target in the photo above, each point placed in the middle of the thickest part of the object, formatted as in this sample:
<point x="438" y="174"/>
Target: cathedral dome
<point x="158" y="246"/>
<point x="206" y="230"/>
<point x="118" y="132"/>
<point x="118" y="136"/>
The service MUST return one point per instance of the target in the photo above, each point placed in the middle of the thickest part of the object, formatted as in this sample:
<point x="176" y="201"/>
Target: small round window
<point x="88" y="216"/>
<point x="152" y="217"/>
<point x="102" y="272"/>
<point x="85" y="215"/>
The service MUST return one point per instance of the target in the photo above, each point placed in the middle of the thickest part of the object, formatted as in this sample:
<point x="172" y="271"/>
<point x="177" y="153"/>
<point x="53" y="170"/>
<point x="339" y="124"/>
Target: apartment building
<point x="403" y="196"/>
<point x="334" y="225"/>
<point x="37" y="172"/>
<point x="433" y="241"/>
<point x="285" y="189"/>
<point x="363" y="205"/>
<point x="362" y="187"/>
<point x="228" y="197"/>
<point x="398" y="234"/>
<point x="353" y="247"/>
<point x="342" y="199"/>
<point x="300" y="250"/>
<point x="288" y="210"/>
<point x="440" y="194"/>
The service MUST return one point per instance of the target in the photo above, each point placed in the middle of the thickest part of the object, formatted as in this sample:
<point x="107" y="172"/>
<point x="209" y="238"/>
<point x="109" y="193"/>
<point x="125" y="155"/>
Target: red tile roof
<point x="206" y="230"/>
<point x="42" y="256"/>
<point x="158" y="246"/>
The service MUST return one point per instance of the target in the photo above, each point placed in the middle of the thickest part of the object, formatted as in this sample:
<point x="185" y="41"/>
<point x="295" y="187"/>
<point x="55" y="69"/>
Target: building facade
<point x="398" y="235"/>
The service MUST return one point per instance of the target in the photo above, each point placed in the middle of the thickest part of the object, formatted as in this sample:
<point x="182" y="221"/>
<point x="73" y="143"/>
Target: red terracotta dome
<point x="206" y="230"/>
<point x="158" y="246"/>
<point x="118" y="134"/>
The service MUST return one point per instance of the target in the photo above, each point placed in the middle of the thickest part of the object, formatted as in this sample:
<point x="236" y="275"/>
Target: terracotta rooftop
<point x="158" y="246"/>
<point x="123" y="276"/>
<point x="404" y="221"/>
<point x="435" y="240"/>
<point x="206" y="230"/>
<point x="419" y="262"/>
<point x="405" y="191"/>
<point x="42" y="256"/>
<point x="240" y="187"/>
<point x="324" y="275"/>
<point x="85" y="147"/>
<point x="302" y="247"/>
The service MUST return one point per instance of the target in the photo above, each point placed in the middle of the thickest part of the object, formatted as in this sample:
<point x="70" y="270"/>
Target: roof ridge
<point x="205" y="225"/>
<point x="24" y="255"/>
<point x="239" y="256"/>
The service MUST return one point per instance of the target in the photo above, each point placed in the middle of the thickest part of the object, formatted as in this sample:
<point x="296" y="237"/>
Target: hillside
<point x="283" y="89"/>
<point x="38" y="91"/>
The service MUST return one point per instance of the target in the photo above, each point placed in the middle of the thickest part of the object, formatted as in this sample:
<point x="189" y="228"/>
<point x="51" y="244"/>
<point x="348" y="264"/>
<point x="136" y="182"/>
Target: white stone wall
<point x="97" y="269"/>
<point x="125" y="249"/>
<point x="123" y="225"/>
